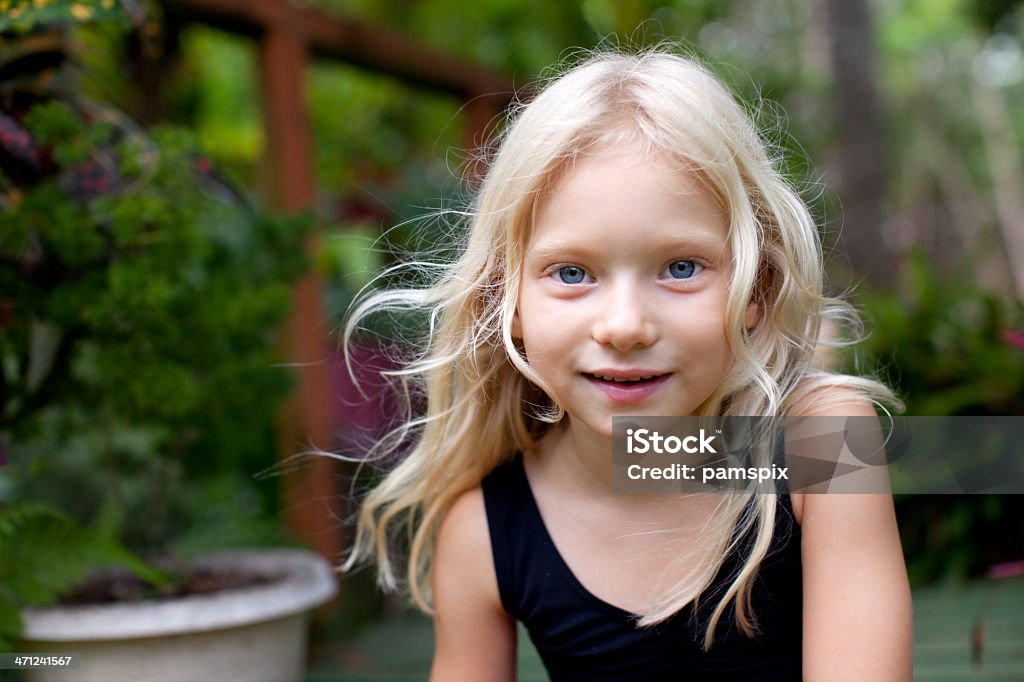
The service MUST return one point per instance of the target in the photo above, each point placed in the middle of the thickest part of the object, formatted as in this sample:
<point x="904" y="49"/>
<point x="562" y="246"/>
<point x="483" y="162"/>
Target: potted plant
<point x="139" y="299"/>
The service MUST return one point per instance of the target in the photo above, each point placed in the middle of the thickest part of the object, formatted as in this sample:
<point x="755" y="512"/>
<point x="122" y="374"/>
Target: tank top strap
<point x="505" y="493"/>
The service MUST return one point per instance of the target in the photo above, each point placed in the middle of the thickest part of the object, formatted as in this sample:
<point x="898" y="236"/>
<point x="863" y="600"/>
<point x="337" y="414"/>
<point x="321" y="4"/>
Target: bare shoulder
<point x="475" y="637"/>
<point x="464" y="533"/>
<point x="833" y="401"/>
<point x="829" y="407"/>
<point x="857" y="607"/>
<point x="463" y="565"/>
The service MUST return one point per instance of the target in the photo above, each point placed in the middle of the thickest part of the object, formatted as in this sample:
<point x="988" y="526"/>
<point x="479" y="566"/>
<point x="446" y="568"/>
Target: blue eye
<point x="683" y="269"/>
<point x="571" y="274"/>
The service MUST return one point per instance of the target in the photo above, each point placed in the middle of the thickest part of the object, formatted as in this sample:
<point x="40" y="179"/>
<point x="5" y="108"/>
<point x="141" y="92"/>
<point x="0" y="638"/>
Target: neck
<point x="570" y="453"/>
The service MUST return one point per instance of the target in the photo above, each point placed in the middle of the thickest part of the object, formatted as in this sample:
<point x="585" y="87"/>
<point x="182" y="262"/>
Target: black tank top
<point x="581" y="637"/>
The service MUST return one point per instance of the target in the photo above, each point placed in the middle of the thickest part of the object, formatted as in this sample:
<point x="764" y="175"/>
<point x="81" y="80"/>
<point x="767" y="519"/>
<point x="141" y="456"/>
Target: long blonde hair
<point x="484" y="403"/>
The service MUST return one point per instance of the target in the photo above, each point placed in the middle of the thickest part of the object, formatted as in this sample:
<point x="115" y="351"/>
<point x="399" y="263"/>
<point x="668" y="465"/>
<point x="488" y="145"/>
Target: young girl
<point x="632" y="251"/>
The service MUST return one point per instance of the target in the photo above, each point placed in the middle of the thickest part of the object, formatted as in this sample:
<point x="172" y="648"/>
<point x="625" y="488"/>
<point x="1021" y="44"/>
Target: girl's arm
<point x="858" y="619"/>
<point x="475" y="637"/>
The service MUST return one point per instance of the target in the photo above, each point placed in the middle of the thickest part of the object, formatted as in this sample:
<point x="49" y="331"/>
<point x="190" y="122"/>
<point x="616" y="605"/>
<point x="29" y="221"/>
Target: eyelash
<point x="698" y="267"/>
<point x="562" y="268"/>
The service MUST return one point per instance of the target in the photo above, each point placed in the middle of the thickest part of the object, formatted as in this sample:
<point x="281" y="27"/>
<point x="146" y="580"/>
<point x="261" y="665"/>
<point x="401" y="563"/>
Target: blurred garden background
<point x="192" y="192"/>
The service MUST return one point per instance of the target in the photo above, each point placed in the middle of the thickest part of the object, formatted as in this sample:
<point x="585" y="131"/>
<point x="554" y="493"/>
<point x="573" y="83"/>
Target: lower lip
<point x="628" y="393"/>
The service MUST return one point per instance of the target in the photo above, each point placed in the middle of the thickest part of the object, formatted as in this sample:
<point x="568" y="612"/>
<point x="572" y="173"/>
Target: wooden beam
<point x="349" y="40"/>
<point x="306" y="424"/>
<point x="482" y="116"/>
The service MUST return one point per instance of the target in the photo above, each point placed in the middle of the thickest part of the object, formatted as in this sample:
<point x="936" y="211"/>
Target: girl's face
<point x="622" y="301"/>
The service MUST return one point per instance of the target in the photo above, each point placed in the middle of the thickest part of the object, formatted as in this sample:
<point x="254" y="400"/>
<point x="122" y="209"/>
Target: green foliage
<point x="43" y="552"/>
<point x="951" y="349"/>
<point x="948" y="347"/>
<point x="515" y="36"/>
<point x="950" y="538"/>
<point x="141" y="298"/>
<point x="24" y="15"/>
<point x="135" y="278"/>
<point x="218" y="94"/>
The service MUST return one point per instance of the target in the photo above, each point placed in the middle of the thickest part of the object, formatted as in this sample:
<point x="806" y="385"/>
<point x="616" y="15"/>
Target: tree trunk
<point x="860" y="170"/>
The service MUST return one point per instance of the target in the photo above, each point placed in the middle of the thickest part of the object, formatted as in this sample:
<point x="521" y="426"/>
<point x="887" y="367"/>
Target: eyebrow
<point x="585" y="247"/>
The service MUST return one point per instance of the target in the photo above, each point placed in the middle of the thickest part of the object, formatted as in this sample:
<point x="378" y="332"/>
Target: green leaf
<point x="11" y="625"/>
<point x="44" y="553"/>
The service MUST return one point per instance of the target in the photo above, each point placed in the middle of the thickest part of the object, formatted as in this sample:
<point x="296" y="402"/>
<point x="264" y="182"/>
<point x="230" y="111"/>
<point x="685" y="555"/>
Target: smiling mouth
<point x="624" y="380"/>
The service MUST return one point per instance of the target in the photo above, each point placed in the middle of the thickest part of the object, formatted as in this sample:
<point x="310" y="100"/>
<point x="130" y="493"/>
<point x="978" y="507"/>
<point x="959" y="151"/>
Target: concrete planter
<point x="252" y="634"/>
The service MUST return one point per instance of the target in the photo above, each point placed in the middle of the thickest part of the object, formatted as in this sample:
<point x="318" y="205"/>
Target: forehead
<point x="618" y="195"/>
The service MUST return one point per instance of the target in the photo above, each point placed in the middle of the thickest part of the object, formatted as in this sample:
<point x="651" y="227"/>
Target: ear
<point x="752" y="315"/>
<point x="517" y="326"/>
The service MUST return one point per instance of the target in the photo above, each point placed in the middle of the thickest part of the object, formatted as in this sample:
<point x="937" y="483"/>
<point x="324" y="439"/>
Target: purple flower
<point x="1014" y="338"/>
<point x="1009" y="569"/>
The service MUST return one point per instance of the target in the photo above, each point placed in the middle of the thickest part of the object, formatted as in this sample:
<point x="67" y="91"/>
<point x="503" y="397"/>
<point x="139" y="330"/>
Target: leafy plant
<point x="948" y="348"/>
<point x="951" y="349"/>
<point x="43" y="552"/>
<point x="140" y="295"/>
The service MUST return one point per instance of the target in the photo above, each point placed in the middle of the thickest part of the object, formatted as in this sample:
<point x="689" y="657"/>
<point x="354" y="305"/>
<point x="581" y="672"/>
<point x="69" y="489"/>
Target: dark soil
<point x="109" y="586"/>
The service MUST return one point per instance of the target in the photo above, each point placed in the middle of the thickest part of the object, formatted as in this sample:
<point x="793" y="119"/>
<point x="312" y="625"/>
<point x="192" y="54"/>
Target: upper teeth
<point x="606" y="378"/>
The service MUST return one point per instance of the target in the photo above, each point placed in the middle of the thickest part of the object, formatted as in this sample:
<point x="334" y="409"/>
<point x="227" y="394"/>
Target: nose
<point x="624" y="320"/>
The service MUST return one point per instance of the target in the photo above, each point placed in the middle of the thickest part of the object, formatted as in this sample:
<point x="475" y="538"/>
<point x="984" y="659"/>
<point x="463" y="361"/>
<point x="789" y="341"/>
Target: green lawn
<point x="400" y="648"/>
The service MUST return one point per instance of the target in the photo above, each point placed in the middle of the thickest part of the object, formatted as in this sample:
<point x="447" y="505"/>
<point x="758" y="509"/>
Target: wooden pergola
<point x="289" y="37"/>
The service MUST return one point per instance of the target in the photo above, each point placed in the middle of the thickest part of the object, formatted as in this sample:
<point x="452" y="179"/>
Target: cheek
<point x="703" y="336"/>
<point x="538" y="342"/>
<point x="547" y="339"/>
<point x="539" y="319"/>
<point x="705" y="324"/>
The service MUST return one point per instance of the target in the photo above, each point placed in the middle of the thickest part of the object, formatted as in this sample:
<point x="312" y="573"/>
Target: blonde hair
<point x="484" y="403"/>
